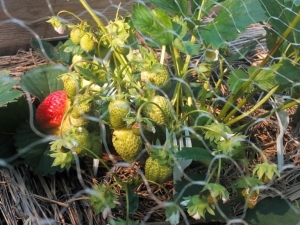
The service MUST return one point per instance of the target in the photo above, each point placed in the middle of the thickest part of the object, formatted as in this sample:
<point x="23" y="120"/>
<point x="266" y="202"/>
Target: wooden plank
<point x="21" y="20"/>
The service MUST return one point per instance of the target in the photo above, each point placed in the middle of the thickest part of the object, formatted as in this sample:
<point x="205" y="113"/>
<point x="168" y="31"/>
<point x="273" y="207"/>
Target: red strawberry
<point x="50" y="112"/>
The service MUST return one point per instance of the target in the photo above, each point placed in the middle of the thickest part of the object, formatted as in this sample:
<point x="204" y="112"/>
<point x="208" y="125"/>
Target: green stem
<point x="93" y="15"/>
<point x="221" y="77"/>
<point x="219" y="170"/>
<point x="204" y="92"/>
<point x="240" y="105"/>
<point x="64" y="11"/>
<point x="283" y="107"/>
<point x="259" y="104"/>
<point x="127" y="204"/>
<point x="289" y="104"/>
<point x="102" y="28"/>
<point x="193" y="39"/>
<point x="211" y="173"/>
<point x="234" y="97"/>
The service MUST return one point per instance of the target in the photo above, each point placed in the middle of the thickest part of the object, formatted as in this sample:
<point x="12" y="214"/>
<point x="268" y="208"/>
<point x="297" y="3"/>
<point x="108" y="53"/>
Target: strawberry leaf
<point x="171" y="6"/>
<point x="43" y="80"/>
<point x="35" y="150"/>
<point x="233" y="18"/>
<point x="236" y="79"/>
<point x="265" y="78"/>
<point x="51" y="51"/>
<point x="14" y="113"/>
<point x="197" y="154"/>
<point x="153" y="23"/>
<point x="287" y="74"/>
<point x="7" y="91"/>
<point x="275" y="211"/>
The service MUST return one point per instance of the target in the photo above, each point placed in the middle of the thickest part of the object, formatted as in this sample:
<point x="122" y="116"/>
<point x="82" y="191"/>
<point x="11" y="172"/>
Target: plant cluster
<point x="127" y="86"/>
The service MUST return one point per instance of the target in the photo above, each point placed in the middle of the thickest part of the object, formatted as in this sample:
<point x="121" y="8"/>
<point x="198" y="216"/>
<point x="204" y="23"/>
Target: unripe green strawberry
<point x="127" y="144"/>
<point x="71" y="84"/>
<point x="156" y="172"/>
<point x="82" y="105"/>
<point x="158" y="76"/>
<point x="76" y="34"/>
<point x="50" y="112"/>
<point x="82" y="138"/>
<point x="77" y="59"/>
<point x="96" y="145"/>
<point x="87" y="42"/>
<point x="117" y="110"/>
<point x="160" y="116"/>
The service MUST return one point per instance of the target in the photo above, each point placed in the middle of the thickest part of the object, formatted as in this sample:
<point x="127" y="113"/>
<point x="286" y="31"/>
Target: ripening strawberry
<point x="76" y="34"/>
<point x="158" y="76"/>
<point x="127" y="144"/>
<point x="154" y="171"/>
<point x="50" y="112"/>
<point x="87" y="42"/>
<point x="117" y="110"/>
<point x="160" y="115"/>
<point x="82" y="105"/>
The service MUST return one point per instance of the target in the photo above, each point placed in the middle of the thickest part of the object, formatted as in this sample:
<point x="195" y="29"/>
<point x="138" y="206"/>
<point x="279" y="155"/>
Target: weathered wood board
<point x="21" y="20"/>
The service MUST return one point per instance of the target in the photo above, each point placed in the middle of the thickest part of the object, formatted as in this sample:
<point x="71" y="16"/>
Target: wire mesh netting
<point x="150" y="112"/>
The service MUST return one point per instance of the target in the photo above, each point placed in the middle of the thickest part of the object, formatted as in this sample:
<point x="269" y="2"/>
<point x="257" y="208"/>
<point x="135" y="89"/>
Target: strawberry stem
<point x="64" y="11"/>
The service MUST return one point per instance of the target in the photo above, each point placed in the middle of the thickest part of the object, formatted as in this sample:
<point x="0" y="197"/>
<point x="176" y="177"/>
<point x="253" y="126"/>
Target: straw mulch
<point x="27" y="198"/>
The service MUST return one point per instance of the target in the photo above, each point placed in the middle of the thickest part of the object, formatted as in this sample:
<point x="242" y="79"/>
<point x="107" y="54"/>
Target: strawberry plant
<point x="126" y="86"/>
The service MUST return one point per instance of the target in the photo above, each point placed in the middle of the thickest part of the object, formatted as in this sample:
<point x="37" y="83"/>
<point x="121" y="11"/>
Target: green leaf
<point x="179" y="7"/>
<point x="132" y="198"/>
<point x="265" y="78"/>
<point x="197" y="154"/>
<point x="246" y="182"/>
<point x="43" y="80"/>
<point x="7" y="91"/>
<point x="35" y="150"/>
<point x="7" y="149"/>
<point x="275" y="211"/>
<point x="280" y="14"/>
<point x="156" y="24"/>
<point x="187" y="47"/>
<point x="13" y="115"/>
<point x="53" y="53"/>
<point x="296" y="2"/>
<point x="179" y="27"/>
<point x="236" y="79"/>
<point x="287" y="74"/>
<point x="233" y="19"/>
<point x="69" y="47"/>
<point x="185" y="184"/>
